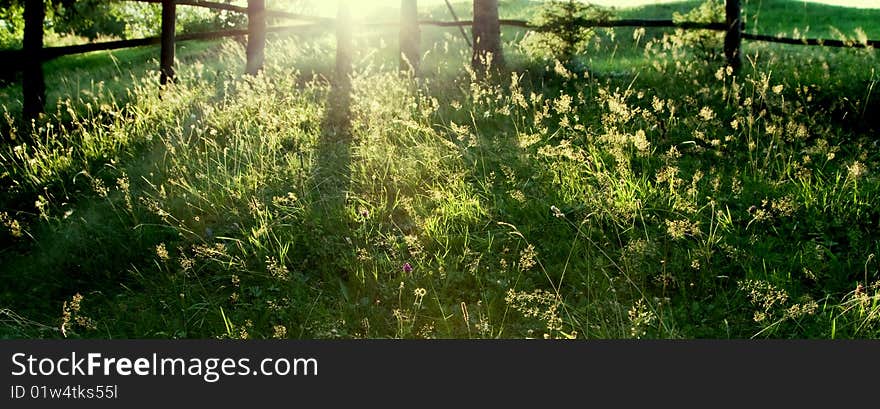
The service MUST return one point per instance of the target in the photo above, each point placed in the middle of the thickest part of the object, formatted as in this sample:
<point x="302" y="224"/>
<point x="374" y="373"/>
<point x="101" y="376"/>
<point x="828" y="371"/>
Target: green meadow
<point x="641" y="191"/>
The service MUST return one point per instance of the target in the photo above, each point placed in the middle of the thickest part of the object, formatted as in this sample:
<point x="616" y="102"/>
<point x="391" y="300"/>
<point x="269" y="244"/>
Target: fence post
<point x="410" y="37"/>
<point x="256" y="45"/>
<point x="33" y="84"/>
<point x="169" y="23"/>
<point x="733" y="38"/>
<point x="487" y="35"/>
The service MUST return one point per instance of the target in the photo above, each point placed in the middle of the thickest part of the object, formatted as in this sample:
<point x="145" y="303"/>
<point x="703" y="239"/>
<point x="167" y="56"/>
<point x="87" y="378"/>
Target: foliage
<point x="707" y="45"/>
<point x="91" y="19"/>
<point x="560" y="36"/>
<point x="11" y="26"/>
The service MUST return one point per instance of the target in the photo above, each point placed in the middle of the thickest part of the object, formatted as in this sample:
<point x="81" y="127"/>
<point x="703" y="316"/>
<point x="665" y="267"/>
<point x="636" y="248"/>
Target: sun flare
<point x="358" y="8"/>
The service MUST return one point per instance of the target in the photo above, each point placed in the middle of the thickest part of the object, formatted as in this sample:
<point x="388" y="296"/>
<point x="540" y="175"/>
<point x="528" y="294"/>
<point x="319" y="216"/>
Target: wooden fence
<point x="33" y="54"/>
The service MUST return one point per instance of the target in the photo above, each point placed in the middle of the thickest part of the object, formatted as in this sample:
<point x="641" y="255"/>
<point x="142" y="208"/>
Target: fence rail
<point x="50" y="53"/>
<point x="29" y="59"/>
<point x="242" y="10"/>
<point x="204" y="4"/>
<point x="811" y="41"/>
<point x="583" y="23"/>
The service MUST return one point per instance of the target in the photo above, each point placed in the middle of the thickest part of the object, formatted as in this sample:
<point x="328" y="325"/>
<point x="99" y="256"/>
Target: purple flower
<point x="407" y="268"/>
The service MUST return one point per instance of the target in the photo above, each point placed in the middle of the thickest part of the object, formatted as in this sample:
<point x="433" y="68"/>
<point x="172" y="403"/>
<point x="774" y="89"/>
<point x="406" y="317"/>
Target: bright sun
<point x="358" y="7"/>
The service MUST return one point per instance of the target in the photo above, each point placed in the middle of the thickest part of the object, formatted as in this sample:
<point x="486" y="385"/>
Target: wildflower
<point x="363" y="255"/>
<point x="100" y="188"/>
<point x="668" y="174"/>
<point x="856" y="170"/>
<point x="161" y="252"/>
<point x="707" y="114"/>
<point x="678" y="229"/>
<point x="527" y="258"/>
<point x="279" y="332"/>
<point x="278" y="270"/>
<point x="71" y="314"/>
<point x="556" y="211"/>
<point x="641" y="317"/>
<point x="560" y="70"/>
<point x="658" y="104"/>
<point x="11" y="224"/>
<point x="563" y="104"/>
<point x="407" y="268"/>
<point x="539" y="304"/>
<point x="186" y="264"/>
<point x="640" y="141"/>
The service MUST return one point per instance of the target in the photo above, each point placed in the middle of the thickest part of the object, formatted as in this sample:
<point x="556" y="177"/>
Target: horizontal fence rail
<point x="243" y="10"/>
<point x="205" y="4"/>
<point x="584" y="23"/>
<point x="49" y="53"/>
<point x="811" y="41"/>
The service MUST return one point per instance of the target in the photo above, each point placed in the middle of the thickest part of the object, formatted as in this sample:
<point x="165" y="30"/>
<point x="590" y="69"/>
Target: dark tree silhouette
<point x="733" y="39"/>
<point x="410" y="36"/>
<point x="256" y="45"/>
<point x="487" y="35"/>
<point x="33" y="84"/>
<point x="166" y="56"/>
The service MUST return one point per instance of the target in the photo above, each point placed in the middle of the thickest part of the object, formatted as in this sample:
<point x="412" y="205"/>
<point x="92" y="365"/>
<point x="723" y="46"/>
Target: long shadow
<point x="331" y="173"/>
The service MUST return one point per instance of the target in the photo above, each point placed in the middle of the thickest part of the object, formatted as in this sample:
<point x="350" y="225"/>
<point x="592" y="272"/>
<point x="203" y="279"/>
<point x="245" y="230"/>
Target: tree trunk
<point x="256" y="46"/>
<point x="410" y="36"/>
<point x="169" y="25"/>
<point x="33" y="83"/>
<point x="733" y="38"/>
<point x="487" y="36"/>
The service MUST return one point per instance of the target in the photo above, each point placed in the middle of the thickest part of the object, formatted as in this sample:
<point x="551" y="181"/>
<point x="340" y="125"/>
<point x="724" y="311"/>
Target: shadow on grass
<point x="332" y="171"/>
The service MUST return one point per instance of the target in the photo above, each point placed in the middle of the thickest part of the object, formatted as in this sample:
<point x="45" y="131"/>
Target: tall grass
<point x="663" y="198"/>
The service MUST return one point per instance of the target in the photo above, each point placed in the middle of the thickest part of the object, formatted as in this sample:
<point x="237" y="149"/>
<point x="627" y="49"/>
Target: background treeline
<point x="76" y="21"/>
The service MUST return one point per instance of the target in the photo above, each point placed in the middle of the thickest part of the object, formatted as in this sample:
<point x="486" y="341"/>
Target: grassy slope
<point x="415" y="197"/>
<point x="810" y="19"/>
<point x="782" y="17"/>
<point x="71" y="75"/>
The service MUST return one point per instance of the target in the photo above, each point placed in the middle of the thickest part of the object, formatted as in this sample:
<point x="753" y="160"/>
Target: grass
<point x="656" y="197"/>
<point x="810" y="19"/>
